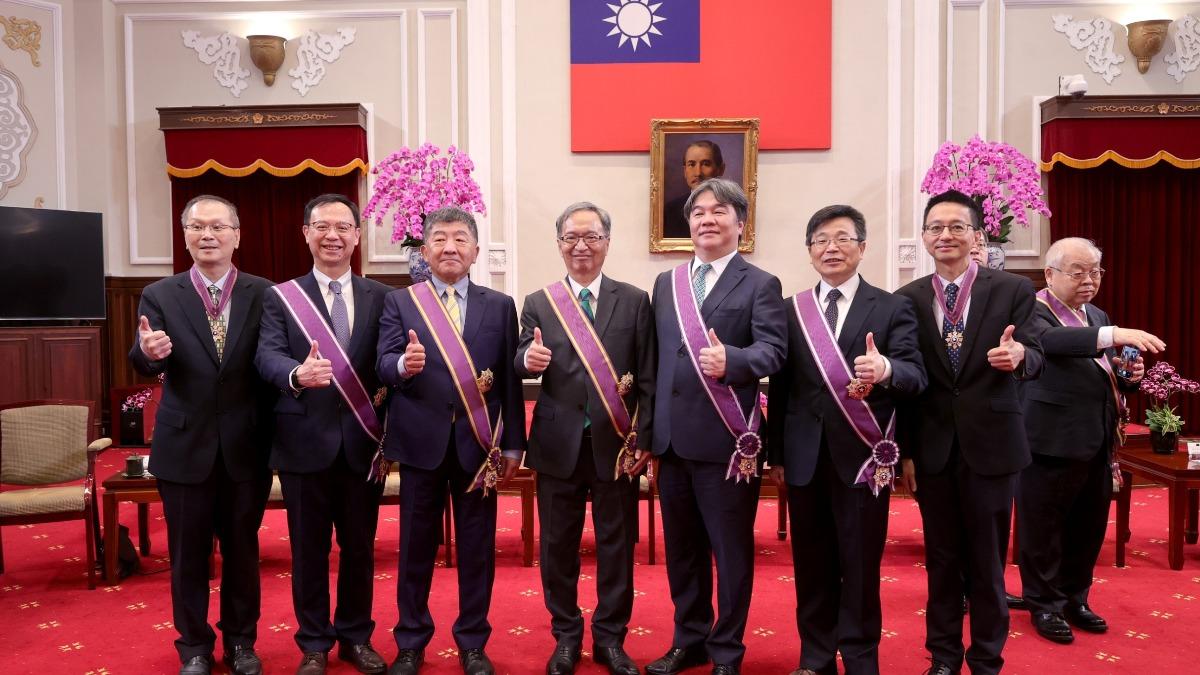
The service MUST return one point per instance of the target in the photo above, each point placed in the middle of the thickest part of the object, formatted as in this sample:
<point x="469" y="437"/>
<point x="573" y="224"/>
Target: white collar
<point x="848" y="288"/>
<point x="324" y="279"/>
<point x="593" y="287"/>
<point x="718" y="265"/>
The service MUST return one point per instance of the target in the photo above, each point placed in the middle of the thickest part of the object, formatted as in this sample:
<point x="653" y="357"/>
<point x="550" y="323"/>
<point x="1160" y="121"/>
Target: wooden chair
<point x="44" y="448"/>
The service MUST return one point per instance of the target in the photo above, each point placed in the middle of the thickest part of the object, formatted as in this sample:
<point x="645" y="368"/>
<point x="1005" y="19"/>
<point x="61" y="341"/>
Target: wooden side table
<point x="1182" y="481"/>
<point x="117" y="489"/>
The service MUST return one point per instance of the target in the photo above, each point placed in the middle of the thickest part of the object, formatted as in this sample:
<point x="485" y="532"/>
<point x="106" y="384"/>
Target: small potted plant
<point x="413" y="183"/>
<point x="1161" y="382"/>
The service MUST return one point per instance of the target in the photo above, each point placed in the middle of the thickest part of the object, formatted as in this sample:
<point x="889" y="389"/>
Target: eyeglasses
<point x="957" y="229"/>
<point x="441" y="241"/>
<point x="217" y="228"/>
<point x="324" y="226"/>
<point x="591" y="239"/>
<point x="1095" y="275"/>
<point x="842" y="241"/>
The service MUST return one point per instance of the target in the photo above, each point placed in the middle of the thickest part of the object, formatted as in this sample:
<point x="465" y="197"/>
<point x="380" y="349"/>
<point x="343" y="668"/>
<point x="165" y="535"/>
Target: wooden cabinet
<point x="51" y="362"/>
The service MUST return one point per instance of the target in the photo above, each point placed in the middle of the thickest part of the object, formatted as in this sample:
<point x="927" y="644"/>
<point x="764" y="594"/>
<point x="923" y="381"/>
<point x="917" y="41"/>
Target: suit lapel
<point x="362" y="302"/>
<point x="607" y="303"/>
<point x="979" y="299"/>
<point x="933" y="331"/>
<point x="309" y="283"/>
<point x="860" y="309"/>
<point x="734" y="272"/>
<point x="193" y="309"/>
<point x="239" y="309"/>
<point x="476" y="307"/>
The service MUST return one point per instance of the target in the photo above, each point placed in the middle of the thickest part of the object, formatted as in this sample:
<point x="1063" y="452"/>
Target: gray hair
<point x="451" y="214"/>
<point x="725" y="192"/>
<point x="571" y="210"/>
<point x="1057" y="250"/>
<point x="187" y="209"/>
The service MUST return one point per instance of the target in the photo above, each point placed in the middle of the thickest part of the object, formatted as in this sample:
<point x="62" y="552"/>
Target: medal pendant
<point x="954" y="340"/>
<point x="625" y="384"/>
<point x="858" y="390"/>
<point x="485" y="380"/>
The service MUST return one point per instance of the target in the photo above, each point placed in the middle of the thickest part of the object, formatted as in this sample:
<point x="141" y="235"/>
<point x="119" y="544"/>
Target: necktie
<point x="831" y="310"/>
<point x="952" y="347"/>
<point x="585" y="301"/>
<point x="452" y="307"/>
<point x="217" y="323"/>
<point x="698" y="282"/>
<point x="339" y="315"/>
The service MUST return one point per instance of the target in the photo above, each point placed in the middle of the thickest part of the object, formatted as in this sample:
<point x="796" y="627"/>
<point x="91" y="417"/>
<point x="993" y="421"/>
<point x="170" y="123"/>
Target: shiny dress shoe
<point x="677" y="659"/>
<point x="722" y="669"/>
<point x="1053" y="627"/>
<point x="563" y="660"/>
<point x="616" y="659"/>
<point x="804" y="671"/>
<point x="243" y="661"/>
<point x="1015" y="601"/>
<point x="407" y="662"/>
<point x="1082" y="617"/>
<point x="475" y="662"/>
<point x="197" y="665"/>
<point x="939" y="668"/>
<point x="312" y="663"/>
<point x="363" y="657"/>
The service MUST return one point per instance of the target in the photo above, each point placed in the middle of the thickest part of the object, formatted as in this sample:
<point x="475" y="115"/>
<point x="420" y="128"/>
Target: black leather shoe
<point x="312" y="663"/>
<point x="677" y="659"/>
<point x="1015" y="601"/>
<point x="722" y="669"/>
<point x="363" y="657"/>
<point x="563" y="660"/>
<point x="1082" y="617"/>
<point x="475" y="662"/>
<point x="243" y="661"/>
<point x="939" y="668"/>
<point x="197" y="665"/>
<point x="616" y="659"/>
<point x="1053" y="627"/>
<point x="407" y="662"/>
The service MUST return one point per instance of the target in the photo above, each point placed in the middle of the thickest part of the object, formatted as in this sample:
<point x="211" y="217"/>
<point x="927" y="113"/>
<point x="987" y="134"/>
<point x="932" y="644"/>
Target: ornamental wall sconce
<point x="1146" y="39"/>
<point x="267" y="53"/>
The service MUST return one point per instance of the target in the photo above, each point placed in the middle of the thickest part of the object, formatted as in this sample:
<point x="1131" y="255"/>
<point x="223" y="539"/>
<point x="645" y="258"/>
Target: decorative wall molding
<point x="892" y="177"/>
<point x="508" y="135"/>
<point x="1070" y="3"/>
<point x="17" y="131"/>
<point x="224" y="54"/>
<point x="60" y="116"/>
<point x="497" y="258"/>
<point x="926" y="97"/>
<point x="24" y="35"/>
<point x="1096" y="37"/>
<point x="906" y="254"/>
<point x="315" y="50"/>
<point x="1186" y="56"/>
<point x="423" y="15"/>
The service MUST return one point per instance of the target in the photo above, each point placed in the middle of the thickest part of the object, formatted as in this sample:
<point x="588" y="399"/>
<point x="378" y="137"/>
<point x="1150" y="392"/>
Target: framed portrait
<point x="683" y="153"/>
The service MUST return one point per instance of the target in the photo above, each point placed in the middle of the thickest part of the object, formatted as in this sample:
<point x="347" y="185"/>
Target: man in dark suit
<point x="436" y="442"/>
<point x="576" y="445"/>
<point x="199" y="329"/>
<point x="839" y="513"/>
<point x="963" y="440"/>
<point x="1071" y="414"/>
<point x="708" y="470"/>
<point x="327" y="435"/>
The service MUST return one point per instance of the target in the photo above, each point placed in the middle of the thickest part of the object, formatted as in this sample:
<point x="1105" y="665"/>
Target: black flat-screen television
<point x="51" y="264"/>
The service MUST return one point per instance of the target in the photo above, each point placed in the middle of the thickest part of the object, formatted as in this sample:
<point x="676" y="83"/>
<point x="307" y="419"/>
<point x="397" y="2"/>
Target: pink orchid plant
<point x="1160" y="383"/>
<point x="417" y="182"/>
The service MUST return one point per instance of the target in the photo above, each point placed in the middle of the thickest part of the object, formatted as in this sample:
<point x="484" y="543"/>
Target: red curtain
<point x="1147" y="222"/>
<point x="271" y="210"/>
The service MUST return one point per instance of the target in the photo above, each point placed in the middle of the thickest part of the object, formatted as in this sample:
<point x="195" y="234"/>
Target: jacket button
<point x="956" y="391"/>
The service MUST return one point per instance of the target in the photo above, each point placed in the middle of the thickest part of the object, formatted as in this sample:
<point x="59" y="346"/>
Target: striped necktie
<point x="217" y="323"/>
<point x="699" y="282"/>
<point x="452" y="307"/>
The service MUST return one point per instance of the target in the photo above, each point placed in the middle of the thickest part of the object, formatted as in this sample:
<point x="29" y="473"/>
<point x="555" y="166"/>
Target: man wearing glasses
<point x="200" y="329"/>
<point x="317" y="347"/>
<point x="591" y="340"/>
<point x="1072" y="414"/>
<point x="852" y="355"/>
<point x="963" y="440"/>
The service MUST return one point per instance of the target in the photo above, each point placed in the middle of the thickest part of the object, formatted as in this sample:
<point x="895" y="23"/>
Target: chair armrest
<point x="99" y="445"/>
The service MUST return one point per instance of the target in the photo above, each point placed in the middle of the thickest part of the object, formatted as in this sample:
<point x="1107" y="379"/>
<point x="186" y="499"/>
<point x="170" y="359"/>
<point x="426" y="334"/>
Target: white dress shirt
<point x="219" y="283"/>
<point x="848" y="289"/>
<point x="714" y="274"/>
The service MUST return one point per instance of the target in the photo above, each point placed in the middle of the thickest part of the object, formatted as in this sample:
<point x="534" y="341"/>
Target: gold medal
<point x="485" y="380"/>
<point x="858" y="390"/>
<point x="625" y="384"/>
<point x="954" y="340"/>
<point x="380" y="394"/>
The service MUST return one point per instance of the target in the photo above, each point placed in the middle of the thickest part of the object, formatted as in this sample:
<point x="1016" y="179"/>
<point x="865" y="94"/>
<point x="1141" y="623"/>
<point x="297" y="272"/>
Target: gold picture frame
<point x="735" y="144"/>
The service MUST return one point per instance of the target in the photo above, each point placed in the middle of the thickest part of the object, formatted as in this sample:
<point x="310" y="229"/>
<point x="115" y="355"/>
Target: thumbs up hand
<point x="1008" y="356"/>
<point x="315" y="371"/>
<point x="871" y="366"/>
<point x="537" y="357"/>
<point x="155" y="344"/>
<point x="712" y="357"/>
<point x="414" y="355"/>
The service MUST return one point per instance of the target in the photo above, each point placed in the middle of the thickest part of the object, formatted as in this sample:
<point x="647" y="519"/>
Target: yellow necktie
<point x="452" y="308"/>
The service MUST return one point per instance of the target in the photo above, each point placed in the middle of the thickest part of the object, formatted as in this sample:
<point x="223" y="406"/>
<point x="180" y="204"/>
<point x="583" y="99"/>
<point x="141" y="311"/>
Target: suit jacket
<point x="801" y="409"/>
<point x="314" y="425"/>
<point x="979" y="405"/>
<point x="1070" y="411"/>
<point x="626" y="329"/>
<point x="745" y="310"/>
<point x="207" y="406"/>
<point x="422" y="406"/>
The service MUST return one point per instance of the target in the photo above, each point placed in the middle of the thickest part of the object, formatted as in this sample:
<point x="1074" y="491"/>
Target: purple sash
<point x="598" y="365"/>
<point x="879" y="470"/>
<point x="743" y="462"/>
<point x="462" y="372"/>
<point x="201" y="287"/>
<point x="1070" y="319"/>
<point x="314" y="327"/>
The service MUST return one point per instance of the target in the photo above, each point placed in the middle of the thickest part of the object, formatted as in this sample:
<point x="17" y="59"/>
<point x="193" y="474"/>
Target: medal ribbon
<point x="201" y="286"/>
<point x="964" y="293"/>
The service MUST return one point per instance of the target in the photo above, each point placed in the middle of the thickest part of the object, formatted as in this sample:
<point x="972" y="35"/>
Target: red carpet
<point x="51" y="623"/>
